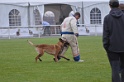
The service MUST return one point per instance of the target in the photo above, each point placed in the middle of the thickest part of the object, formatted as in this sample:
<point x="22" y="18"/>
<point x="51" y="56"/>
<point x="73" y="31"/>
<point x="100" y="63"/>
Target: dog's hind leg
<point x="41" y="52"/>
<point x="38" y="57"/>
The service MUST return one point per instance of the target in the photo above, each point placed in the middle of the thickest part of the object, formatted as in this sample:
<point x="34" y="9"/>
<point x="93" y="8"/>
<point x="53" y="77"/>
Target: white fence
<point x="39" y="31"/>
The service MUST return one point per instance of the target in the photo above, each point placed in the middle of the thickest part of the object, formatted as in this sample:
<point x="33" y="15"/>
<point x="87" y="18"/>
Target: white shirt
<point x="69" y="25"/>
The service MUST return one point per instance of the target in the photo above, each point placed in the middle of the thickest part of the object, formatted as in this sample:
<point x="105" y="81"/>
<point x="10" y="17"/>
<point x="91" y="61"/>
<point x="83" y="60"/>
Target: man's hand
<point x="76" y="34"/>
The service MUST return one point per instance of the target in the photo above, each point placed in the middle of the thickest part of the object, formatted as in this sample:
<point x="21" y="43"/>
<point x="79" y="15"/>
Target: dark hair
<point x="77" y="14"/>
<point x="114" y="4"/>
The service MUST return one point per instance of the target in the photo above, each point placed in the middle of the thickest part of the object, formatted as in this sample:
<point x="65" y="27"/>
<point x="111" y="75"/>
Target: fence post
<point x="95" y="30"/>
<point x="9" y="33"/>
<point x="39" y="31"/>
<point x="55" y="30"/>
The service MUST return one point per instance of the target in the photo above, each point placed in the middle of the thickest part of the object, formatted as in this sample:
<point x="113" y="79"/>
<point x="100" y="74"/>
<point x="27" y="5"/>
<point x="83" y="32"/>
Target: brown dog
<point x="50" y="49"/>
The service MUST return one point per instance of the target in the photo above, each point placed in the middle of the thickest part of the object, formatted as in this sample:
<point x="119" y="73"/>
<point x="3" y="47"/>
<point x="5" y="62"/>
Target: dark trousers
<point x="47" y="30"/>
<point x="117" y="65"/>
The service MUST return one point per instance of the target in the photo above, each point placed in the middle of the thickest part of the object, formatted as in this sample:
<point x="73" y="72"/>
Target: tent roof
<point x="49" y="1"/>
<point x="77" y="3"/>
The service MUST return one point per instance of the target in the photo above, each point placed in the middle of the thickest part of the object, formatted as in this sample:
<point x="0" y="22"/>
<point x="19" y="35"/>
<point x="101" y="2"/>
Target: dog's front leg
<point x="64" y="57"/>
<point x="56" y="59"/>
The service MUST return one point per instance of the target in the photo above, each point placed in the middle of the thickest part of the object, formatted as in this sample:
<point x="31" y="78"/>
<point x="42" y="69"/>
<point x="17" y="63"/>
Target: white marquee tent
<point x="27" y="13"/>
<point x="60" y="9"/>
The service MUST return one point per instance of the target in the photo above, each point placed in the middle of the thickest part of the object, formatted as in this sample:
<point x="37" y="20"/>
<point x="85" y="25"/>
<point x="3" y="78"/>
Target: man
<point x="113" y="40"/>
<point x="46" y="26"/>
<point x="70" y="34"/>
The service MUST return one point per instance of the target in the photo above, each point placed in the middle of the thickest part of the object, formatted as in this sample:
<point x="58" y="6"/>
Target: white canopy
<point x="27" y="7"/>
<point x="77" y="3"/>
<point x="48" y="1"/>
<point x="41" y="2"/>
<point x="51" y="1"/>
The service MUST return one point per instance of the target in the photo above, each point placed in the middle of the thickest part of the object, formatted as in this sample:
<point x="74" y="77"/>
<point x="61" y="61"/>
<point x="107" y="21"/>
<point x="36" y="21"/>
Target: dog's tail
<point x="30" y="43"/>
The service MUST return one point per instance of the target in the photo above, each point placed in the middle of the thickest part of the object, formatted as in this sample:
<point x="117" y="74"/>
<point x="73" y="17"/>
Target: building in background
<point x="29" y="13"/>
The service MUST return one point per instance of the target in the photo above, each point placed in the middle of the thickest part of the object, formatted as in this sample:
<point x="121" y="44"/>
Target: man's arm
<point x="73" y="23"/>
<point x="106" y="34"/>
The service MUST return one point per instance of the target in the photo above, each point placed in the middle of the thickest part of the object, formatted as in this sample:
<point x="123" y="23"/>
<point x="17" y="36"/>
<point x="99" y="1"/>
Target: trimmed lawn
<point x="17" y="62"/>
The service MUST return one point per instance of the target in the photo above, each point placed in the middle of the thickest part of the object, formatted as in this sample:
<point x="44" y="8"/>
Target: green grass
<point x="17" y="62"/>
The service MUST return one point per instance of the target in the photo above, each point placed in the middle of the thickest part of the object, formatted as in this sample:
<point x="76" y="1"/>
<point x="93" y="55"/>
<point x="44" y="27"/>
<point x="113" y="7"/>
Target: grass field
<point x="17" y="62"/>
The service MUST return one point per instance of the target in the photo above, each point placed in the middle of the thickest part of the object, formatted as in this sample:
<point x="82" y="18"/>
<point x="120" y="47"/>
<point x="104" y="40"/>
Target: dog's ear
<point x="61" y="40"/>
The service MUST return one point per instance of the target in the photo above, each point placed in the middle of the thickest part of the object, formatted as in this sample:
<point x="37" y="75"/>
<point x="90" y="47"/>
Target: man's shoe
<point x="80" y="61"/>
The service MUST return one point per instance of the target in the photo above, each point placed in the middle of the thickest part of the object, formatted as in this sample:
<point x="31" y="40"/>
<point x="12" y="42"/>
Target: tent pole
<point x="82" y="13"/>
<point x="29" y="15"/>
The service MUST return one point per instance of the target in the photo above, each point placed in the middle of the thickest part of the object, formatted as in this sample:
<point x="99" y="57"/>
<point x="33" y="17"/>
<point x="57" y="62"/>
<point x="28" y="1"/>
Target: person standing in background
<point x="46" y="26"/>
<point x="113" y="40"/>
